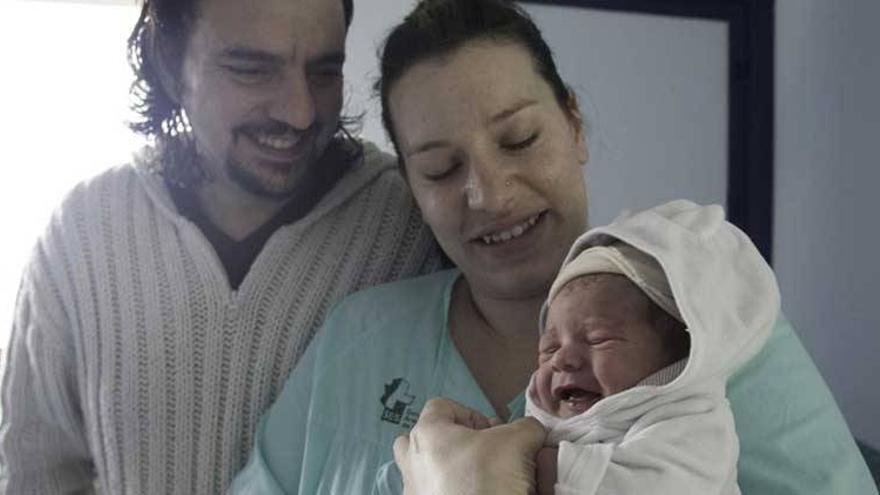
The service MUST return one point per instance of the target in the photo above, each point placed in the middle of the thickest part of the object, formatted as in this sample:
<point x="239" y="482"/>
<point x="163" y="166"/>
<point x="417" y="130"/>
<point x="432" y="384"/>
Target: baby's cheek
<point x="543" y="386"/>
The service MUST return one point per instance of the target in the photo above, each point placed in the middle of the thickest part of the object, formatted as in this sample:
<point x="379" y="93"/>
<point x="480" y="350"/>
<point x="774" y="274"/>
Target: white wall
<point x="63" y="107"/>
<point x="827" y="244"/>
<point x="372" y="20"/>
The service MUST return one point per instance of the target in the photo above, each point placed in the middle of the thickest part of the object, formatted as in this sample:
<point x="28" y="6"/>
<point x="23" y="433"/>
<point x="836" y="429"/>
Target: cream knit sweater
<point x="134" y="367"/>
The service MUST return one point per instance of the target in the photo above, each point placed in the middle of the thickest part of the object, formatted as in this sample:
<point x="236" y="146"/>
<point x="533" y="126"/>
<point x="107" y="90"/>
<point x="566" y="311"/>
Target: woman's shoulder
<point x="394" y="306"/>
<point x="793" y="438"/>
<point x="402" y="297"/>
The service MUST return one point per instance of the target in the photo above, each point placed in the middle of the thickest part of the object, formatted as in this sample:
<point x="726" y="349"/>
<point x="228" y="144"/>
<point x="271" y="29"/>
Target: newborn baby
<point x="603" y="336"/>
<point x="645" y="322"/>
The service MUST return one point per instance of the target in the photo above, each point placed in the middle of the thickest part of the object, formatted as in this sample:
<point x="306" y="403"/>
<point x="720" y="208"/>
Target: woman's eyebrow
<point x="510" y="111"/>
<point x="427" y="146"/>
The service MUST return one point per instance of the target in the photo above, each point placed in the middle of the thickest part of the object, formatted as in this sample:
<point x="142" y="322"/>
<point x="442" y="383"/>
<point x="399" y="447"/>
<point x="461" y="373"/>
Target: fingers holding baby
<point x="454" y="449"/>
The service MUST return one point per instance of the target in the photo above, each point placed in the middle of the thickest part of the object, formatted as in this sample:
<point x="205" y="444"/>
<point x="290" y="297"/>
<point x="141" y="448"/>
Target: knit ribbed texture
<point x="132" y="360"/>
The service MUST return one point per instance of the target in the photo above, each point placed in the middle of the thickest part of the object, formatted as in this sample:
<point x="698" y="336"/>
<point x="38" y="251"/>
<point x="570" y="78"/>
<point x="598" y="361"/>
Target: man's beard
<point x="296" y="174"/>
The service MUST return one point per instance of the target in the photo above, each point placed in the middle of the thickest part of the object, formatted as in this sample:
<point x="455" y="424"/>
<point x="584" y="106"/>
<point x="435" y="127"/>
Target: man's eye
<point x="249" y="74"/>
<point x="521" y="144"/>
<point x="326" y="76"/>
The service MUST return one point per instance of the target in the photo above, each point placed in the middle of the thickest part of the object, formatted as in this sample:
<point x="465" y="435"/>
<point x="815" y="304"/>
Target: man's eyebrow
<point x="510" y="111"/>
<point x="251" y="54"/>
<point x="255" y="55"/>
<point x="334" y="58"/>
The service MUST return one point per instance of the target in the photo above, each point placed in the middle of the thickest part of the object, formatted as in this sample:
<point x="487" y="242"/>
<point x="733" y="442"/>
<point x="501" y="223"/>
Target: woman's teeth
<point x="511" y="233"/>
<point x="281" y="143"/>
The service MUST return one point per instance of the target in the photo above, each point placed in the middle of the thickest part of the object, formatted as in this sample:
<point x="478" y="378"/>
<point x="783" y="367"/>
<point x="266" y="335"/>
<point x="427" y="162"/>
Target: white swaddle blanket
<point x="674" y="436"/>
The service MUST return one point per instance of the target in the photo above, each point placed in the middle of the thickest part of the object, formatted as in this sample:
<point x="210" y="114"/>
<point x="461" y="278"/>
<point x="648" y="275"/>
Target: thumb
<point x="526" y="433"/>
<point x="401" y="452"/>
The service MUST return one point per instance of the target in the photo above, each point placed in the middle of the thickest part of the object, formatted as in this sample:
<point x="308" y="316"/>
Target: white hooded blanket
<point x="679" y="437"/>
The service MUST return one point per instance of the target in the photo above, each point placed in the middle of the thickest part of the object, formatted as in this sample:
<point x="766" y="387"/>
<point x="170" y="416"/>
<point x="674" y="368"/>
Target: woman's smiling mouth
<point x="510" y="233"/>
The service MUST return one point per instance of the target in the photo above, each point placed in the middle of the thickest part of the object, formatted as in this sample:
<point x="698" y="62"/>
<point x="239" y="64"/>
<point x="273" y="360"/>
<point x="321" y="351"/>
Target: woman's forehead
<point x="475" y="82"/>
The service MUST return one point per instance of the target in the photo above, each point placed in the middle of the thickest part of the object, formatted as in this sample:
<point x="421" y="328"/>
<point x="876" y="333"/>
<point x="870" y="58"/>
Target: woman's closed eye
<point x="439" y="173"/>
<point x="520" y="144"/>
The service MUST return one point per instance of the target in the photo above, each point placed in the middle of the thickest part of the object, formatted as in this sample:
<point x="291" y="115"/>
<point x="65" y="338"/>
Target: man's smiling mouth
<point x="284" y="142"/>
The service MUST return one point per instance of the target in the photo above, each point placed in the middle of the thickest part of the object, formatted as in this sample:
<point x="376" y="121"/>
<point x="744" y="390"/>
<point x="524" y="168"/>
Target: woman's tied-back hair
<point x="436" y="28"/>
<point x="156" y="50"/>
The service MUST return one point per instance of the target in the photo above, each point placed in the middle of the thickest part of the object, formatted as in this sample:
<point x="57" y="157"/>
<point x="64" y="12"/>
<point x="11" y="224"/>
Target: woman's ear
<point x="577" y="121"/>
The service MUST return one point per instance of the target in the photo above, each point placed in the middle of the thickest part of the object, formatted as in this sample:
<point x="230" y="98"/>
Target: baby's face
<point x="599" y="341"/>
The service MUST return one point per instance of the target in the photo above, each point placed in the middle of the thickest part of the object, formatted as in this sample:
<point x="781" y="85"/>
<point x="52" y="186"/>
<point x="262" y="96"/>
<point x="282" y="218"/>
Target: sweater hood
<point x="370" y="166"/>
<point x="725" y="291"/>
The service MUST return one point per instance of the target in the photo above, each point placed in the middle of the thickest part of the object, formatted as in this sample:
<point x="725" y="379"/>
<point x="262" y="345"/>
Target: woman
<point x="491" y="142"/>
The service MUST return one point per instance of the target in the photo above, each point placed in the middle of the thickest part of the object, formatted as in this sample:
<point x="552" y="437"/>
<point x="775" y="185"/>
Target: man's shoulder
<point x="117" y="179"/>
<point x="382" y="167"/>
<point x="374" y="185"/>
<point x="112" y="192"/>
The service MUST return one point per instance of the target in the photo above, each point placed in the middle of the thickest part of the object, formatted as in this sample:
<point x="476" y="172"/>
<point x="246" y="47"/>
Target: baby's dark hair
<point x="673" y="332"/>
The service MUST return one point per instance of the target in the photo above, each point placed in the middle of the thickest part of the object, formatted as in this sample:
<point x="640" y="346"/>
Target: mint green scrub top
<point x="383" y="352"/>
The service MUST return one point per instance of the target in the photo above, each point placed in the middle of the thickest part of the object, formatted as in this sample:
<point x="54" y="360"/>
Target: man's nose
<point x="489" y="186"/>
<point x="293" y="103"/>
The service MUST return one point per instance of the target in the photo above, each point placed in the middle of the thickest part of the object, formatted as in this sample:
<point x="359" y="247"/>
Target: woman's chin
<point x="526" y="282"/>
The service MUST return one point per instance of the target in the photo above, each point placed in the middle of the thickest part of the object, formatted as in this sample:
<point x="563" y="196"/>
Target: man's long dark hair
<point x="155" y="53"/>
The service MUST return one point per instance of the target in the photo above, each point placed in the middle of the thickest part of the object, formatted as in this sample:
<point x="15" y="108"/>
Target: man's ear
<point x="577" y="121"/>
<point x="169" y="81"/>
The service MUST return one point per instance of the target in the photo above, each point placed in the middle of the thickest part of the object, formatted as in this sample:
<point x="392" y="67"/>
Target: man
<point x="167" y="300"/>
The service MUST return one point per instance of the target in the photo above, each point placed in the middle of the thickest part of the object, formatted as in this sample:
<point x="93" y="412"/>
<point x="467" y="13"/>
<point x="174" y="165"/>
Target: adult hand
<point x="455" y="450"/>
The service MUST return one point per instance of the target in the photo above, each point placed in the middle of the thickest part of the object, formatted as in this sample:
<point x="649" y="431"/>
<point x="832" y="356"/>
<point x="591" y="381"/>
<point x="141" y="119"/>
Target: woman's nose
<point x="489" y="186"/>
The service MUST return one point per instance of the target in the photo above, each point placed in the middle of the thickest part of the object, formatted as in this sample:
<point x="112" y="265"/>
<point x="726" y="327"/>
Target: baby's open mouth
<point x="575" y="399"/>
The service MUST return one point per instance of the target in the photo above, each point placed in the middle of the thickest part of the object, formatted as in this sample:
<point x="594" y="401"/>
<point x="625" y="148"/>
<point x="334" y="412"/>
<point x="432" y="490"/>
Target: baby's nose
<point x="569" y="358"/>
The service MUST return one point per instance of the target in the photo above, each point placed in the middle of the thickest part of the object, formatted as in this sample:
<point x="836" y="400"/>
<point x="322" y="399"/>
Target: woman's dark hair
<point x="155" y="51"/>
<point x="436" y="28"/>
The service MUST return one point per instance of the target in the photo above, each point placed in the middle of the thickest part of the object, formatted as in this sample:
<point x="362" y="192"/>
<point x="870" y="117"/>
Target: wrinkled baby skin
<point x="600" y="339"/>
